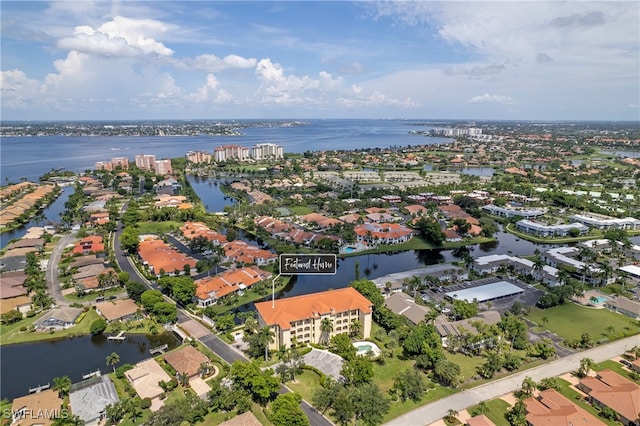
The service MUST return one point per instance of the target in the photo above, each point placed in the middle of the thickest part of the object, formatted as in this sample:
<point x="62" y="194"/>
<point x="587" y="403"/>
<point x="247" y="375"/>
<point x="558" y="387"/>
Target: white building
<point x="512" y="212"/>
<point x="231" y="152"/>
<point x="267" y="151"/>
<point x="541" y="230"/>
<point x="163" y="167"/>
<point x="599" y="221"/>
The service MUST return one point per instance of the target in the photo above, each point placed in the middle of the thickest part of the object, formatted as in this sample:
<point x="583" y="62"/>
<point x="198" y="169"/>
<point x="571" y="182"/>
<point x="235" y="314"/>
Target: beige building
<point x="36" y="409"/>
<point x="301" y="317"/>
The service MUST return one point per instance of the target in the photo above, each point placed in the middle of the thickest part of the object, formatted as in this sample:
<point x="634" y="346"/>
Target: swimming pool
<point x="364" y="347"/>
<point x="349" y="250"/>
<point x="599" y="299"/>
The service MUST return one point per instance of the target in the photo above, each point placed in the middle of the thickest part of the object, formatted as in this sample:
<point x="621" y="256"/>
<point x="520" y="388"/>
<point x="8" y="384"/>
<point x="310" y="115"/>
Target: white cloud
<point x="119" y="37"/>
<point x="491" y="99"/>
<point x="356" y="89"/>
<point x="17" y="90"/>
<point x="212" y="63"/>
<point x="210" y="92"/>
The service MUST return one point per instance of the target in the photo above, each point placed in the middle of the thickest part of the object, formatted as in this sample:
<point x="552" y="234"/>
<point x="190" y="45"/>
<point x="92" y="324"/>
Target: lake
<point x="28" y="365"/>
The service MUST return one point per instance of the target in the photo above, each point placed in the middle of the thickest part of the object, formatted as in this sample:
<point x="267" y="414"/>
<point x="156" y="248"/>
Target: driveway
<point x="53" y="284"/>
<point x="325" y="361"/>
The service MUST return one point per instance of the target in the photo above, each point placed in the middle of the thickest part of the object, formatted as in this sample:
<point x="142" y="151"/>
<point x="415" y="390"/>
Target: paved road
<point x="213" y="342"/>
<point x="53" y="283"/>
<point x="429" y="413"/>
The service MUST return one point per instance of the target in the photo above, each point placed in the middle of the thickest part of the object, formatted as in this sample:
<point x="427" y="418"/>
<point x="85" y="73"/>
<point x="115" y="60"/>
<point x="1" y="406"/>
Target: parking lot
<point x="529" y="297"/>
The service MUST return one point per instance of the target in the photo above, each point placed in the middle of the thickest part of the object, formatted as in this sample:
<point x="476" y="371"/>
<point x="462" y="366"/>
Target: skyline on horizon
<point x="501" y="61"/>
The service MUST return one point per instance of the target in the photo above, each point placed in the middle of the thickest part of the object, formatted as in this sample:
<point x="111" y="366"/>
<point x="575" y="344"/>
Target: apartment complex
<point x="300" y="318"/>
<point x="600" y="221"/>
<point x="122" y="162"/>
<point x="198" y="156"/>
<point x="145" y="161"/>
<point x="542" y="230"/>
<point x="261" y="151"/>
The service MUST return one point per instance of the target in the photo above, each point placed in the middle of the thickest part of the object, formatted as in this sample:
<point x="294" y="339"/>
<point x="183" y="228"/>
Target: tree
<point x="517" y="415"/>
<point x="41" y="299"/>
<point x="451" y="415"/>
<point x="586" y="365"/>
<point x="326" y="327"/>
<point x="341" y="344"/>
<point x="447" y="372"/>
<point x="265" y="337"/>
<point x="528" y="386"/>
<point x="149" y="298"/>
<point x="357" y="371"/>
<point x="370" y="406"/>
<point x="129" y="239"/>
<point x="98" y="326"/>
<point x="354" y="328"/>
<point x="62" y="385"/>
<point x="165" y="312"/>
<point x="135" y="290"/>
<point x="409" y="384"/>
<point x="248" y="377"/>
<point x="112" y="360"/>
<point x="115" y="412"/>
<point x="285" y="411"/>
<point x="430" y="230"/>
<point x="463" y="309"/>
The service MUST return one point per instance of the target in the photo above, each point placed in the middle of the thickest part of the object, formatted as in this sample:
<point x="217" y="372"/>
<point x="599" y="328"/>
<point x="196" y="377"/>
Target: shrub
<point x="122" y="369"/>
<point x="145" y="403"/>
<point x="23" y="328"/>
<point x="98" y="327"/>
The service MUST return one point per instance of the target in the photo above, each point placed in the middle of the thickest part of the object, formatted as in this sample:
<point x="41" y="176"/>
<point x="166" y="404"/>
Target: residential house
<point x="244" y="253"/>
<point x="122" y="309"/>
<point x="512" y="212"/>
<point x="159" y="257"/>
<point x="552" y="408"/>
<point x="145" y="377"/>
<point x="38" y="408"/>
<point x="623" y="305"/>
<point x="18" y="303"/>
<point x="599" y="221"/>
<point x="542" y="230"/>
<point x="88" y="399"/>
<point x="387" y="233"/>
<point x="186" y="360"/>
<point x="480" y="420"/>
<point x="91" y="244"/>
<point x="301" y="317"/>
<point x="403" y="304"/>
<point x="58" y="319"/>
<point x="609" y="389"/>
<point x="209" y="290"/>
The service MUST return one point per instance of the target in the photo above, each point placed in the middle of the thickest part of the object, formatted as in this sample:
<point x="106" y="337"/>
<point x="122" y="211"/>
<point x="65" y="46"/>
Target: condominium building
<point x="146" y="161"/>
<point x="231" y="152"/>
<point x="163" y="167"/>
<point x="267" y="151"/>
<point x="599" y="221"/>
<point x="542" y="230"/>
<point x="198" y="156"/>
<point x="120" y="161"/>
<point x="302" y="317"/>
<point x="512" y="212"/>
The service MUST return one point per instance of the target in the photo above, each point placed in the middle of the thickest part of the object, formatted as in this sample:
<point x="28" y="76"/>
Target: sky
<point x="507" y="60"/>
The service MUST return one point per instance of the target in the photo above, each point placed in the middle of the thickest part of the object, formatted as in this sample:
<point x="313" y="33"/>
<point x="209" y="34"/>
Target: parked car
<point x="625" y="362"/>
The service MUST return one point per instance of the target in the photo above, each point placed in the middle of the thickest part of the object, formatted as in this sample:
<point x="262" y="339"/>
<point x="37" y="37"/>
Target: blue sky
<point x="86" y="60"/>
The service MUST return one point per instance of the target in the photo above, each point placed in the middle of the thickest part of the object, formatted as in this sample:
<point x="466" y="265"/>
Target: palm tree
<point x="528" y="386"/>
<point x="544" y="320"/>
<point x="183" y="379"/>
<point x="354" y="328"/>
<point x="62" y="385"/>
<point x="451" y="415"/>
<point x="326" y="327"/>
<point x="265" y="336"/>
<point x="538" y="265"/>
<point x="250" y="325"/>
<point x="586" y="365"/>
<point x="112" y="360"/>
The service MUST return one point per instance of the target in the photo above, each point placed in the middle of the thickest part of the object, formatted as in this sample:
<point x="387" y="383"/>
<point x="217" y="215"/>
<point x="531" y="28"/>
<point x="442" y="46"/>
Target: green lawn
<point x="570" y="321"/>
<point x="467" y="364"/>
<point x="10" y="334"/>
<point x="250" y="296"/>
<point x="93" y="295"/>
<point x="300" y="210"/>
<point x="418" y="243"/>
<point x="306" y="384"/>
<point x="576" y="397"/>
<point x="497" y="409"/>
<point x="158" y="227"/>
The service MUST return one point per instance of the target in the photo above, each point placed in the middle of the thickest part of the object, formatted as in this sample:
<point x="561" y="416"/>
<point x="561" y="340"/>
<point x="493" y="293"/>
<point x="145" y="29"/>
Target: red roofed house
<point x="609" y="389"/>
<point x="92" y="244"/>
<point x="383" y="233"/>
<point x="300" y="317"/>
<point x="210" y="289"/>
<point x="159" y="257"/>
<point x="551" y="408"/>
<point x="186" y="360"/>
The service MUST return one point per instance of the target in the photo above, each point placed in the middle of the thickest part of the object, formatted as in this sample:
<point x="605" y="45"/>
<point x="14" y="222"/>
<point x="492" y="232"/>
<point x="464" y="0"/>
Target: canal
<point x="28" y="365"/>
<point x="51" y="213"/>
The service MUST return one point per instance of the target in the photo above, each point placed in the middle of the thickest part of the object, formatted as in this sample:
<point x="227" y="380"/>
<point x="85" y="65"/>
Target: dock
<point x="96" y="373"/>
<point x="120" y="336"/>
<point x="159" y="349"/>
<point x="39" y="388"/>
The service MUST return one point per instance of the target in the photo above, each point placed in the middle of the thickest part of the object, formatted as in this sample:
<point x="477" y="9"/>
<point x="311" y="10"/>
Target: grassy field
<point x="418" y="243"/>
<point x="497" y="409"/>
<point x="570" y="321"/>
<point x="467" y="364"/>
<point x="306" y="384"/>
<point x="158" y="227"/>
<point x="92" y="296"/>
<point x="300" y="210"/>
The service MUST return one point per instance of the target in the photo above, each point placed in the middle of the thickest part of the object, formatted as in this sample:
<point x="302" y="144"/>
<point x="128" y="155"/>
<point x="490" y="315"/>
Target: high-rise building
<point x="267" y="151"/>
<point x="146" y="161"/>
<point x="120" y="161"/>
<point x="231" y="152"/>
<point x="163" y="167"/>
<point x="198" y="156"/>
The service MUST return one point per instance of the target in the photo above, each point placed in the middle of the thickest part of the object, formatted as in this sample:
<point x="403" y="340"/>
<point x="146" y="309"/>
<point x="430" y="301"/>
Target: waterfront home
<point x="58" y="319"/>
<point x="600" y="221"/>
<point x="191" y="230"/>
<point x="145" y="377"/>
<point x="21" y="304"/>
<point x="88" y="399"/>
<point x="123" y="309"/>
<point x="558" y="230"/>
<point x="301" y="317"/>
<point x="159" y="257"/>
<point x="552" y="408"/>
<point x="609" y="389"/>
<point x="33" y="243"/>
<point x="38" y="408"/>
<point x="387" y="233"/>
<point x="210" y="289"/>
<point x="244" y="253"/>
<point x="186" y="360"/>
<point x="512" y="211"/>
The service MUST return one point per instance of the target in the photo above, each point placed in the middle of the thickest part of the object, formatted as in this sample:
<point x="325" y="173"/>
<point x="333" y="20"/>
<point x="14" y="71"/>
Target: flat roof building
<point x="483" y="293"/>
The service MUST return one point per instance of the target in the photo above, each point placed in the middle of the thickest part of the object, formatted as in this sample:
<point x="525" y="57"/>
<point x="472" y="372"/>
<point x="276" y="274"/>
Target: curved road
<point x="210" y="340"/>
<point x="436" y="410"/>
